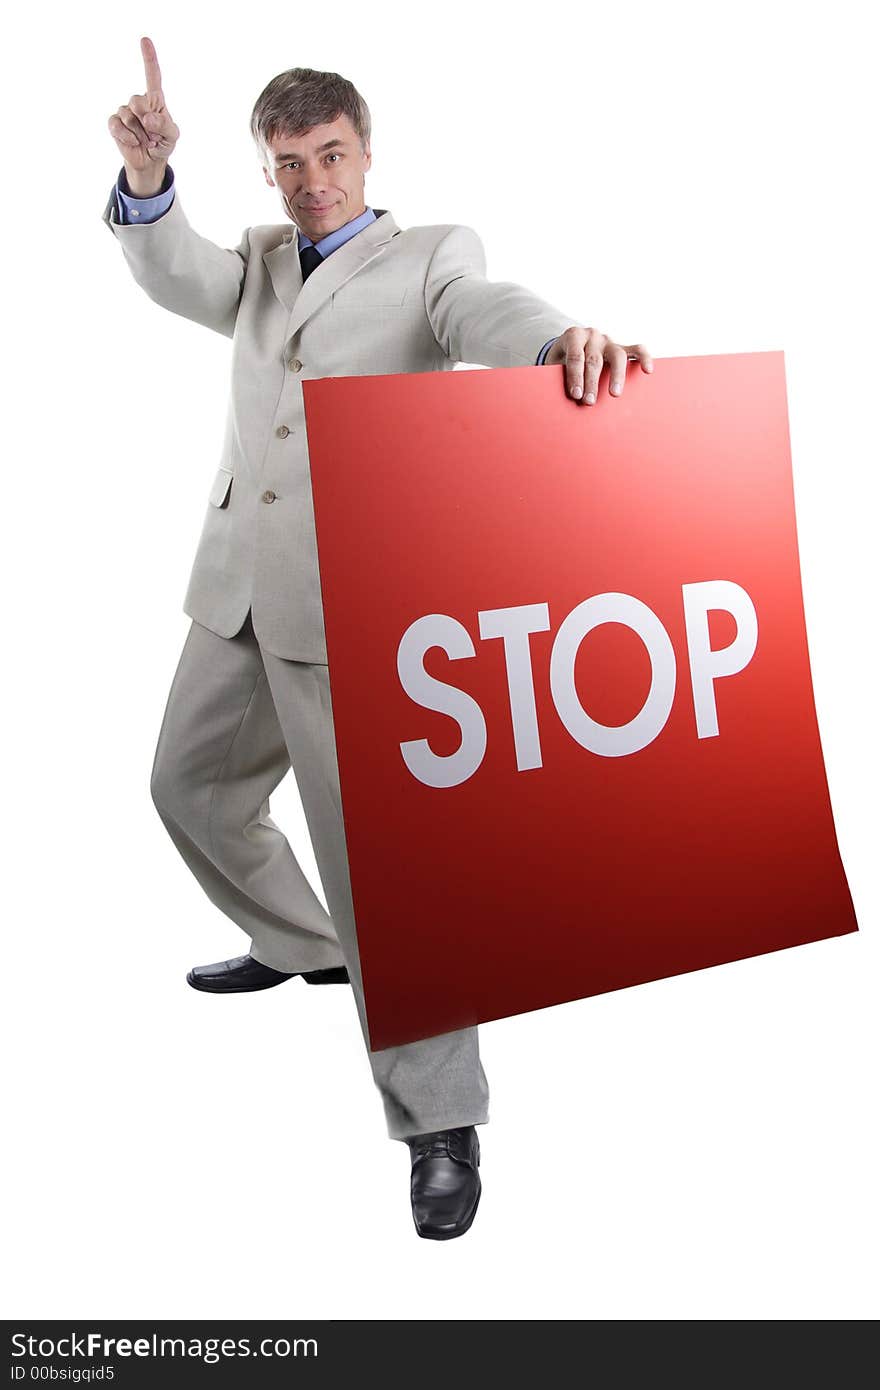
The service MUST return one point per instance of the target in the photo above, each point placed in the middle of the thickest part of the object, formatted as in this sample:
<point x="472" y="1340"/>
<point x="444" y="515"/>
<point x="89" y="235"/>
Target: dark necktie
<point x="309" y="258"/>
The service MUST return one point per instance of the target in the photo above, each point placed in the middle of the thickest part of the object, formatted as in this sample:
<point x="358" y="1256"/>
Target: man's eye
<point x="293" y="162"/>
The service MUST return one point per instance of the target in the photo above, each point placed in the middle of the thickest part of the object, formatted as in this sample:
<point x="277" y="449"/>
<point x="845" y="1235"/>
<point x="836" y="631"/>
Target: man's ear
<point x="368" y="157"/>
<point x="270" y="181"/>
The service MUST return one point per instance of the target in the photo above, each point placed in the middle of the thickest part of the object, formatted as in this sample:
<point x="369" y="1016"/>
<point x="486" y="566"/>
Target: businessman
<point x="342" y="292"/>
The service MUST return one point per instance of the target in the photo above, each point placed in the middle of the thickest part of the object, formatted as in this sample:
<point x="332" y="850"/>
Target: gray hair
<point x="300" y="98"/>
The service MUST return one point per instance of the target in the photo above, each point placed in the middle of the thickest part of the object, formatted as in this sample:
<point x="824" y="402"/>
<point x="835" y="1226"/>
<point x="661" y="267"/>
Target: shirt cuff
<point x="544" y="350"/>
<point x="134" y="210"/>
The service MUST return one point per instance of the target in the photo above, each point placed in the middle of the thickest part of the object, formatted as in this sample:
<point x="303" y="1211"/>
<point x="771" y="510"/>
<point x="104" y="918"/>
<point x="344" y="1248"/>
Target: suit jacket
<point x="388" y="300"/>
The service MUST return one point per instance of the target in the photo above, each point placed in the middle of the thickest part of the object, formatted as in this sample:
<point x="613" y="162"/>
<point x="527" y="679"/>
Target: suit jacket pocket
<point x="219" y="494"/>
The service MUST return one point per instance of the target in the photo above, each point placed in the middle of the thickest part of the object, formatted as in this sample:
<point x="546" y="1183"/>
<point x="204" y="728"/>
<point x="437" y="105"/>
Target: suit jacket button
<point x="282" y="431"/>
<point x="268" y="495"/>
<point x="295" y="365"/>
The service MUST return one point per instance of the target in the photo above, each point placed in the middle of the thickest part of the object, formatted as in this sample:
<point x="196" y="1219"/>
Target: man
<point x="349" y="293"/>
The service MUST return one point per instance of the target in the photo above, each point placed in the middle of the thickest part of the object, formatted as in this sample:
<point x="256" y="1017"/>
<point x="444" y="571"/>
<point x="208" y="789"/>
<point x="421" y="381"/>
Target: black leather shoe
<point x="244" y="973"/>
<point x="333" y="975"/>
<point x="445" y="1185"/>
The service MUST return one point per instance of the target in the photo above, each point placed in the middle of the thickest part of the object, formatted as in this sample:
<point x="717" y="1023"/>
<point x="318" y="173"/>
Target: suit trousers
<point x="237" y="719"/>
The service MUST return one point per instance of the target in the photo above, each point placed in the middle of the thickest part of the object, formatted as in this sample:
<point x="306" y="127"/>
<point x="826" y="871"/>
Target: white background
<point x="691" y="176"/>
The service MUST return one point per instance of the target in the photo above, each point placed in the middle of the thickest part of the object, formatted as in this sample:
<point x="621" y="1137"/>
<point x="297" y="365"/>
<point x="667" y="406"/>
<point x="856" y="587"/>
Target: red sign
<point x="571" y="690"/>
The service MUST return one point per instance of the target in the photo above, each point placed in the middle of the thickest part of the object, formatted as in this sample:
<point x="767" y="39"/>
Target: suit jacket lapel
<point x="301" y="300"/>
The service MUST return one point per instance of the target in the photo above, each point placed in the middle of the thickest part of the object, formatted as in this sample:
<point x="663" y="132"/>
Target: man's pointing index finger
<point x="151" y="69"/>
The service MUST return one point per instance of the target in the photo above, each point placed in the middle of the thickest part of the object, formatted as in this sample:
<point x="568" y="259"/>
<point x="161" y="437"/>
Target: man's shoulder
<point x="269" y="235"/>
<point x="437" y="231"/>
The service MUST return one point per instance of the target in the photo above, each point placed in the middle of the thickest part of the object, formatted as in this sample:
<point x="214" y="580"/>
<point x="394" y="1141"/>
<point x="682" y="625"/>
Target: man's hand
<point x="144" y="132"/>
<point x="584" y="352"/>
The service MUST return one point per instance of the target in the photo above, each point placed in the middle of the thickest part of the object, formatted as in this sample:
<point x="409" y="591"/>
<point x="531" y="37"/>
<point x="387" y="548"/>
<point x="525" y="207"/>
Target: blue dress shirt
<point x="133" y="210"/>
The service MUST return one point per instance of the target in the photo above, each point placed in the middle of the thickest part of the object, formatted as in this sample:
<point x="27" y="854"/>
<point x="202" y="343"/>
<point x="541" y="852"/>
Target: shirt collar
<point x="333" y="240"/>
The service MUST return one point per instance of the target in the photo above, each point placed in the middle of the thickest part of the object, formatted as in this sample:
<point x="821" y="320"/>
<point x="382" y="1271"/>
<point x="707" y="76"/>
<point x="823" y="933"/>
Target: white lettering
<point x="706" y="665"/>
<point x="438" y="630"/>
<point x="613" y="741"/>
<point x="515" y="625"/>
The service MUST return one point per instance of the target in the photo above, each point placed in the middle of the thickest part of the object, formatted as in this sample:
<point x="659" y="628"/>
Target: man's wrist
<point x="134" y="210"/>
<point x="138" y="183"/>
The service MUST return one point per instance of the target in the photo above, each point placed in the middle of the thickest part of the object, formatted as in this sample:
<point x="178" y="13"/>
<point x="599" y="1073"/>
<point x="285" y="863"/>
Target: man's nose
<point x="313" y="177"/>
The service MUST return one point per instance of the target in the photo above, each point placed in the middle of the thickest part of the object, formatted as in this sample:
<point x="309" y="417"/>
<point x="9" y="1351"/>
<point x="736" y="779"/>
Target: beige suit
<point x="386" y="301"/>
<point x="251" y="693"/>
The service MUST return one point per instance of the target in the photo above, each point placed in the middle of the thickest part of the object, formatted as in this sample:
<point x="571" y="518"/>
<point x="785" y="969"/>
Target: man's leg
<point x="436" y="1084"/>
<point x="220" y="754"/>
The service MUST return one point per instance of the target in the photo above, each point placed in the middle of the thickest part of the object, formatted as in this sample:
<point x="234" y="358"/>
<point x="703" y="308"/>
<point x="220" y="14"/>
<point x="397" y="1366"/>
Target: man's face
<point x="319" y="175"/>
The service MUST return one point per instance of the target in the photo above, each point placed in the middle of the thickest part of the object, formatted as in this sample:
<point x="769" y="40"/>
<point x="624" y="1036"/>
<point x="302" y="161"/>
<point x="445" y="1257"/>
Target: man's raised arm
<point x="179" y="269"/>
